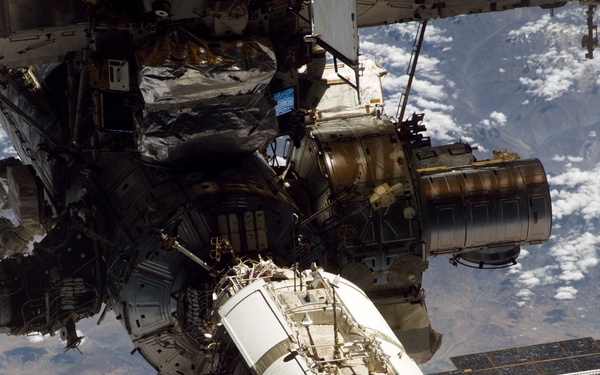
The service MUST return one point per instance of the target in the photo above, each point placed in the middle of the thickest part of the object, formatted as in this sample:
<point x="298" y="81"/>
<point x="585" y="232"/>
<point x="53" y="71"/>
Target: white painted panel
<point x="334" y="22"/>
<point x="288" y="365"/>
<point x="254" y="322"/>
<point x="401" y="362"/>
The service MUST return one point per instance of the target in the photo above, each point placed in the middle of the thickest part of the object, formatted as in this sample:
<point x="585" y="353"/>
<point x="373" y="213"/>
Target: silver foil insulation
<point x="204" y="97"/>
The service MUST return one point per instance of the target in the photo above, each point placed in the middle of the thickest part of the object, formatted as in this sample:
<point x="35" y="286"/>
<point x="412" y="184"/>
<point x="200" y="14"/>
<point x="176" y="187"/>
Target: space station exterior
<point x="181" y="162"/>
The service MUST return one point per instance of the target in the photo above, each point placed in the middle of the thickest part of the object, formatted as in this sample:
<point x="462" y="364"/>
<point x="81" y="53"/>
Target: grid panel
<point x="544" y="351"/>
<point x="560" y="366"/>
<point x="590" y="362"/>
<point x="527" y="369"/>
<point x="478" y="361"/>
<point x="554" y="358"/>
<point x="579" y="347"/>
<point x="485" y="372"/>
<point x="507" y="357"/>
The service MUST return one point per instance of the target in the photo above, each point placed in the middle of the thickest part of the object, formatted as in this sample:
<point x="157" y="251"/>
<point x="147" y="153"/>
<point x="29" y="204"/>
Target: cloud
<point x="576" y="254"/>
<point x="562" y="67"/>
<point x="574" y="249"/>
<point x="498" y="117"/>
<point x="495" y="120"/>
<point x="7" y="150"/>
<point x="388" y="56"/>
<point x="106" y="350"/>
<point x="571" y="159"/>
<point x="434" y="35"/>
<point x="529" y="279"/>
<point x="535" y="277"/>
<point x="36" y="338"/>
<point x="553" y="82"/>
<point x="530" y="28"/>
<point x="573" y="256"/>
<point x="441" y="126"/>
<point x="430" y="89"/>
<point x="575" y="192"/>
<point x="565" y="292"/>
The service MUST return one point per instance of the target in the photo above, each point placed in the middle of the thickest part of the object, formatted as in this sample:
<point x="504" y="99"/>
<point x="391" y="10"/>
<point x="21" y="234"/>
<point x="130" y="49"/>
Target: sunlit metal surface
<point x="143" y="127"/>
<point x="486" y="205"/>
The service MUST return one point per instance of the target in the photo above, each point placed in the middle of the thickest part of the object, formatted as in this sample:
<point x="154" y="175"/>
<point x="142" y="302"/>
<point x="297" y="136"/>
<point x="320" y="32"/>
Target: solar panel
<point x="561" y="366"/>
<point x="580" y="347"/>
<point x="507" y="357"/>
<point x="527" y="369"/>
<point x="484" y="372"/>
<point x="472" y="362"/>
<point x="590" y="362"/>
<point x="544" y="351"/>
<point x="555" y="358"/>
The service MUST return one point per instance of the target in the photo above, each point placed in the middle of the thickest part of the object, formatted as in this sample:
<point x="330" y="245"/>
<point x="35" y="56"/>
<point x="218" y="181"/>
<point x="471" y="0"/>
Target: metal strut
<point x="356" y="86"/>
<point x="590" y="40"/>
<point x="414" y="58"/>
<point x="171" y="243"/>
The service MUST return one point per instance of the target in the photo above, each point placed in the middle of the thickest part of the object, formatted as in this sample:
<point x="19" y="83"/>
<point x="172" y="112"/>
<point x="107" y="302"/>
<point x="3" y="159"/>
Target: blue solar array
<point x="555" y="358"/>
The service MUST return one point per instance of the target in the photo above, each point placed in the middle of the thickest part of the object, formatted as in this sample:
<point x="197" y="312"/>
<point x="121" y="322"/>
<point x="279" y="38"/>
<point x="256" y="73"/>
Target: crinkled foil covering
<point x="203" y="97"/>
<point x="241" y="123"/>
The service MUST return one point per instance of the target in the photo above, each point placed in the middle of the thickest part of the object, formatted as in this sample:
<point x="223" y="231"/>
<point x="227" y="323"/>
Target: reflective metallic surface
<point x="493" y="204"/>
<point x="149" y="137"/>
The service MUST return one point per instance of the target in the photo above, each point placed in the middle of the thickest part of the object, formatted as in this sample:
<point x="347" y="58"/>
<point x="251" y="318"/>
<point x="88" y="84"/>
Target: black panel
<point x="554" y="358"/>
<point x="507" y="357"/>
<point x="477" y="361"/>
<point x="544" y="351"/>
<point x="578" y="347"/>
<point x="116" y="115"/>
<point x="485" y="372"/>
<point x="527" y="369"/>
<point x="560" y="366"/>
<point x="591" y="362"/>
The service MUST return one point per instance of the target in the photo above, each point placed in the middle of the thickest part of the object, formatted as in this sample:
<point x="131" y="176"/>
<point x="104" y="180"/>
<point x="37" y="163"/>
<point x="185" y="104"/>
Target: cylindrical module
<point x="316" y="323"/>
<point x="486" y="206"/>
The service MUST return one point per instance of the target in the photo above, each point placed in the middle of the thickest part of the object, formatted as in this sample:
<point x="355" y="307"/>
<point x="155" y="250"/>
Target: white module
<point x="313" y="323"/>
